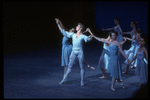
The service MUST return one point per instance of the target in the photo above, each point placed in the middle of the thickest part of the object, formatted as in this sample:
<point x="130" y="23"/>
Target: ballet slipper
<point x="91" y="67"/>
<point x="103" y="77"/>
<point x="63" y="81"/>
<point x="123" y="86"/>
<point x="113" y="89"/>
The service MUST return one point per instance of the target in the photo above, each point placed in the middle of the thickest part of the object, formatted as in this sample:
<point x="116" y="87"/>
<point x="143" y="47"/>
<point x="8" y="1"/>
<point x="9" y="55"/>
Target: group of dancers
<point x="136" y="56"/>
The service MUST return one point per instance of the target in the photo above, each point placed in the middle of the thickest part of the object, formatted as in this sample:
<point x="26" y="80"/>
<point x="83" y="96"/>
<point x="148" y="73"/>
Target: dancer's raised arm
<point x="61" y="28"/>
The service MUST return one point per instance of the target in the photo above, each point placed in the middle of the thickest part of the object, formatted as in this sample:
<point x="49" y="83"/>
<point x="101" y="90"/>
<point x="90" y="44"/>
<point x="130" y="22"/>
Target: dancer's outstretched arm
<point x="108" y="29"/>
<point x="125" y="39"/>
<point x="133" y="58"/>
<point x="125" y="32"/>
<point x="133" y="38"/>
<point x="99" y="39"/>
<point x="122" y="52"/>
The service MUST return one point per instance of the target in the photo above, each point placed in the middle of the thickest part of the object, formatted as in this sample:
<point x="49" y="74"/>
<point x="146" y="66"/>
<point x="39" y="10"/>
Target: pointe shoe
<point x="63" y="81"/>
<point x="103" y="77"/>
<point x="113" y="89"/>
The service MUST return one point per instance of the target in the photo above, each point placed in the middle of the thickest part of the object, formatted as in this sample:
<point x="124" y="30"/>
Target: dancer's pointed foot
<point x="125" y="72"/>
<point x="63" y="81"/>
<point x="91" y="67"/>
<point x="133" y="67"/>
<point x="82" y="84"/>
<point x="103" y="77"/>
<point x="120" y="80"/>
<point x="113" y="89"/>
<point x="123" y="86"/>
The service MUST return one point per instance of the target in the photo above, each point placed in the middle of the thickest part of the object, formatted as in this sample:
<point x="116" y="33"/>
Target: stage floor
<point x="36" y="74"/>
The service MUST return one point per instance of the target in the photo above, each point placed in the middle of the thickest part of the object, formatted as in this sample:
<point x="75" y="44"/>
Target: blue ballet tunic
<point x="114" y="67"/>
<point x="103" y="60"/>
<point x="66" y="51"/>
<point x="131" y="52"/>
<point x="120" y="37"/>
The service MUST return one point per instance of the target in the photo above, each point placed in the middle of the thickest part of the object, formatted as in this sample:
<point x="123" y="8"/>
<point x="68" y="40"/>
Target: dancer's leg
<point x="113" y="82"/>
<point x="71" y="61"/>
<point x="126" y="71"/>
<point x="81" y="60"/>
<point x="121" y="83"/>
<point x="104" y="75"/>
<point x="65" y="70"/>
<point x="91" y="67"/>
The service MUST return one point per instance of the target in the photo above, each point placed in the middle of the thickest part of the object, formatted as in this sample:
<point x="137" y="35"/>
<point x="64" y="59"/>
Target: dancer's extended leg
<point x="71" y="61"/>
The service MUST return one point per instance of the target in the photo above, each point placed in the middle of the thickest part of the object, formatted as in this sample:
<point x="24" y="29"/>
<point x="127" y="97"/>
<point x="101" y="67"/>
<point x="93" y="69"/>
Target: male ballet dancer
<point x="77" y="49"/>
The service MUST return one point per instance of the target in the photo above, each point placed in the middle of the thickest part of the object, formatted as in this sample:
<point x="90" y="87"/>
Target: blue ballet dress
<point x="142" y="68"/>
<point x="66" y="51"/>
<point x="131" y="52"/>
<point x="120" y="37"/>
<point x="103" y="61"/>
<point x="114" y="67"/>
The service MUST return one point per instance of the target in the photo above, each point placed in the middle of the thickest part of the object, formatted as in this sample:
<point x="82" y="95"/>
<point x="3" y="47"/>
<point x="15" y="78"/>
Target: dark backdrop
<point x="31" y="26"/>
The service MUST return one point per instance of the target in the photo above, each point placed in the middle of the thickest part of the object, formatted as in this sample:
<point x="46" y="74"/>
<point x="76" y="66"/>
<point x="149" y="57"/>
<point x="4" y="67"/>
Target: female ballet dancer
<point x="67" y="48"/>
<point x="138" y="37"/>
<point x="142" y="67"/>
<point x="134" y="45"/>
<point x="104" y="58"/>
<point x="77" y="50"/>
<point x="117" y="29"/>
<point x="114" y="67"/>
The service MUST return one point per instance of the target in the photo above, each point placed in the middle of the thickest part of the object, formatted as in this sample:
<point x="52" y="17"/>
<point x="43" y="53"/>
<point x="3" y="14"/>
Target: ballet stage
<point x="36" y="74"/>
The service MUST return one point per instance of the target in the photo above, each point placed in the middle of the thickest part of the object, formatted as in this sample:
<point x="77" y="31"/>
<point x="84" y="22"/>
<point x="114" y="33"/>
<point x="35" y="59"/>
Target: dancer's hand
<point x="90" y="32"/>
<point x="124" y="38"/>
<point x="71" y="30"/>
<point x="129" y="62"/>
<point x="57" y="20"/>
<point x="87" y="29"/>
